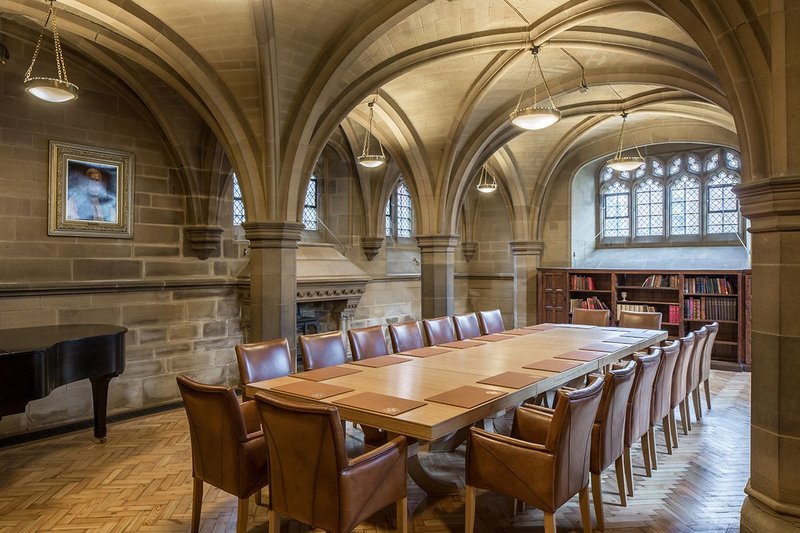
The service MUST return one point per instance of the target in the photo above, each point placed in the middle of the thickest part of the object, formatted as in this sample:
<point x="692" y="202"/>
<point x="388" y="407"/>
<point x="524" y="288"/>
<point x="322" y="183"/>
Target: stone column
<point x="438" y="268"/>
<point x="527" y="256"/>
<point x="773" y="491"/>
<point x="273" y="279"/>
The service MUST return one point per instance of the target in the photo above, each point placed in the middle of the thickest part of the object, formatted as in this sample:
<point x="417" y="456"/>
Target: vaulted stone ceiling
<point x="273" y="80"/>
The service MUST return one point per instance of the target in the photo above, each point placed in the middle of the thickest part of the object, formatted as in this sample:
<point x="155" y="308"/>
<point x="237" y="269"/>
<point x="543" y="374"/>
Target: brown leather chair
<point x="405" y="336"/>
<point x="262" y="360"/>
<point x="546" y="460"/>
<point x="491" y="321"/>
<point x="467" y="326"/>
<point x="662" y="389"/>
<point x="678" y="394"/>
<point x="608" y="433"/>
<point x="591" y="317"/>
<point x="228" y="446"/>
<point x="322" y="349"/>
<point x="693" y="375"/>
<point x="313" y="481"/>
<point x="367" y="342"/>
<point x="637" y="421"/>
<point x="439" y="330"/>
<point x="705" y="365"/>
<point x="641" y="320"/>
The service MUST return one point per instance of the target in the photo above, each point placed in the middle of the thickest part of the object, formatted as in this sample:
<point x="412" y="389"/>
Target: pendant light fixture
<point x="47" y="88"/>
<point x="539" y="115"/>
<point x="367" y="159"/>
<point x="484" y="185"/>
<point x="620" y="162"/>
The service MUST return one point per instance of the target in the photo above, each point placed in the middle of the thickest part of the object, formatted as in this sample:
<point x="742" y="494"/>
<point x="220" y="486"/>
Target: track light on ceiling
<point x="620" y="162"/>
<point x="583" y="87"/>
<point x="367" y="159"/>
<point x="484" y="185"/>
<point x="45" y="88"/>
<point x="538" y="115"/>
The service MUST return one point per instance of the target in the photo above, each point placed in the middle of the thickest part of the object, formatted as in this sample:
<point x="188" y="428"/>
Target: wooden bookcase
<point x="687" y="299"/>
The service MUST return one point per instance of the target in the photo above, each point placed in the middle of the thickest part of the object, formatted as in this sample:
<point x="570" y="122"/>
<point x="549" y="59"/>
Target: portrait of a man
<point x="91" y="192"/>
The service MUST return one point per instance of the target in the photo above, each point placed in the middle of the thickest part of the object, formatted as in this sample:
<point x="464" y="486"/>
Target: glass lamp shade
<point x="535" y="118"/>
<point x="625" y="163"/>
<point x="51" y="89"/>
<point x="371" y="161"/>
<point x="487" y="187"/>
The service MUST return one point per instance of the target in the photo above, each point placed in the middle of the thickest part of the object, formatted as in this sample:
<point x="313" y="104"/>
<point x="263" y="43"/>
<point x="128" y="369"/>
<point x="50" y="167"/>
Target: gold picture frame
<point x="91" y="191"/>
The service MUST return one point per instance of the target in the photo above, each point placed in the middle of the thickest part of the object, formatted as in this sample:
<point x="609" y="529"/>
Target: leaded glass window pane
<point x="310" y="205"/>
<point x="639" y="172"/>
<point x="674" y="166"/>
<point x="723" y="206"/>
<point x="658" y="168"/>
<point x="693" y="164"/>
<point x="238" y="204"/>
<point x="712" y="162"/>
<point x="684" y="206"/>
<point x="616" y="214"/>
<point x="624" y="174"/>
<point x="404" y="211"/>
<point x="650" y="208"/>
<point x="607" y="174"/>
<point x="389" y="225"/>
<point x="732" y="161"/>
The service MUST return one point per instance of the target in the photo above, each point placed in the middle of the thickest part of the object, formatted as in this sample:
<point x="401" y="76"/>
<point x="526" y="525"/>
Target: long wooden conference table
<point x="430" y="393"/>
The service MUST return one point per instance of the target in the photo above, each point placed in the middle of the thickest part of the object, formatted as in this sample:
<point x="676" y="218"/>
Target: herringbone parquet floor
<point x="140" y="480"/>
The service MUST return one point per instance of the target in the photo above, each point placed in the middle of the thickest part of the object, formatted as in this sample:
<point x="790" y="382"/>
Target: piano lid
<point x="36" y="338"/>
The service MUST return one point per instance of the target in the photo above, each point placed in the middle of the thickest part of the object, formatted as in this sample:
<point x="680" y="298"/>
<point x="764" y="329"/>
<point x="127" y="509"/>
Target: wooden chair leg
<point x="402" y="515"/>
<point x="686" y="424"/>
<point x="698" y="409"/>
<point x="197" y="504"/>
<point x="597" y="500"/>
<point x="241" y="515"/>
<point x="707" y="388"/>
<point x="586" y="512"/>
<point x="666" y="425"/>
<point x="274" y="522"/>
<point x="258" y="497"/>
<point x="469" y="501"/>
<point x="626" y="458"/>
<point x="651" y="435"/>
<point x="646" y="455"/>
<point x="549" y="522"/>
<point x="673" y="428"/>
<point x="620" y="469"/>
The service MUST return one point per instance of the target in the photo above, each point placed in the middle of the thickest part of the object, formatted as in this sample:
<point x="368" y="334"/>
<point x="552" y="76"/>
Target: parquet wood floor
<point x="140" y="480"/>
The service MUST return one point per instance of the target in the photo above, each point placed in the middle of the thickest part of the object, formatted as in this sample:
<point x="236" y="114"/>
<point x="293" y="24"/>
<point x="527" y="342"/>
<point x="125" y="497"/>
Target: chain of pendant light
<point x="60" y="66"/>
<point x="368" y="136"/>
<point x="535" y="63"/>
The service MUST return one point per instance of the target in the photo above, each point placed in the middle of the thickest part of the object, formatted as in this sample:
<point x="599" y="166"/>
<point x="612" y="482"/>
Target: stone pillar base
<point x="758" y="518"/>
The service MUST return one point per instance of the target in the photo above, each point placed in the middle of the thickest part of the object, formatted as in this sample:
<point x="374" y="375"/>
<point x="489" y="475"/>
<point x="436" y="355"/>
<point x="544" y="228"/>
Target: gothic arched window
<point x="310" y="205"/>
<point x="649" y="208"/>
<point x="616" y="210"/>
<point x="684" y="206"/>
<point x="399" y="213"/>
<point x="238" y="204"/>
<point x="723" y="206"/>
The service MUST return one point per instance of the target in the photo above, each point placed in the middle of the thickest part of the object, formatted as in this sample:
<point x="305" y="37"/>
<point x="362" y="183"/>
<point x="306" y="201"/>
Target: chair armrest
<point x="541" y="408"/>
<point x="372" y="481"/>
<point x="389" y="447"/>
<point x="252" y="421"/>
<point x="532" y="425"/>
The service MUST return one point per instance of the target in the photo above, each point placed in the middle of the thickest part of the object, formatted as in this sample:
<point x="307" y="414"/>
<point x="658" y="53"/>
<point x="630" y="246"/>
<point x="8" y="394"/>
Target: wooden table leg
<point x="426" y="481"/>
<point x="100" y="404"/>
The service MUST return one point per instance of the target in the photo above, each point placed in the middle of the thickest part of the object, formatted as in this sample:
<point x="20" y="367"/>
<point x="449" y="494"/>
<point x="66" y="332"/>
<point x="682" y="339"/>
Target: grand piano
<point x="34" y="361"/>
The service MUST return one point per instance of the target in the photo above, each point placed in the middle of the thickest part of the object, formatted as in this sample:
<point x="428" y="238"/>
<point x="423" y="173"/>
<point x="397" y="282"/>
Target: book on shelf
<point x="658" y="280"/>
<point x="707" y="285"/>
<point x="674" y="314"/>
<point x="582" y="283"/>
<point x="710" y="308"/>
<point x="639" y="308"/>
<point x="586" y="303"/>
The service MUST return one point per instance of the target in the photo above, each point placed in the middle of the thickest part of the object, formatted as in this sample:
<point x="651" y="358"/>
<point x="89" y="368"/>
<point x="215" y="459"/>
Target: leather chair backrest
<point x="662" y="388"/>
<point x="405" y="336"/>
<point x="307" y="454"/>
<point x="693" y="369"/>
<point x="263" y="360"/>
<point x="569" y="439"/>
<point x="638" y="419"/>
<point x="322" y="349"/>
<point x="608" y="433"/>
<point x="705" y="361"/>
<point x="681" y="369"/>
<point x="591" y="317"/>
<point x="216" y="427"/>
<point x="641" y="320"/>
<point x="491" y="321"/>
<point x="367" y="342"/>
<point x="439" y="330"/>
<point x="466" y="326"/>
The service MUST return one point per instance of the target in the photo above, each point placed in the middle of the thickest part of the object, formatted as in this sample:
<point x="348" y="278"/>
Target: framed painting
<point x="91" y="191"/>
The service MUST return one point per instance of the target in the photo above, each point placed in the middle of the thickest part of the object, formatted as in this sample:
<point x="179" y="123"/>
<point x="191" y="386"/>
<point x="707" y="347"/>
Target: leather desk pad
<point x="380" y="361"/>
<point x="521" y="331"/>
<point x="379" y="403"/>
<point x="460" y="345"/>
<point x="428" y="351"/>
<point x="625" y="340"/>
<point x="580" y="355"/>
<point x="511" y="380"/>
<point x="466" y="396"/>
<point x="494" y="337"/>
<point x="312" y="389"/>
<point x="603" y="347"/>
<point x="541" y="327"/>
<point x="330" y="372"/>
<point x="553" y="365"/>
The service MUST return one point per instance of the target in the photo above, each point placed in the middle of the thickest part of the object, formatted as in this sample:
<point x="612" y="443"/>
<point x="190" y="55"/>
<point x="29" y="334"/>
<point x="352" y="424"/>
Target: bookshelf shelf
<point x="677" y="294"/>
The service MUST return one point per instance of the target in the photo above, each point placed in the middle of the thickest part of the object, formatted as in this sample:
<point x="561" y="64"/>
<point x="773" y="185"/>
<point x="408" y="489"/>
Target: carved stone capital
<point x="371" y="246"/>
<point x="527" y="247"/>
<point x="273" y="234"/>
<point x="772" y="204"/>
<point x="437" y="243"/>
<point x="205" y="241"/>
<point x="468" y="250"/>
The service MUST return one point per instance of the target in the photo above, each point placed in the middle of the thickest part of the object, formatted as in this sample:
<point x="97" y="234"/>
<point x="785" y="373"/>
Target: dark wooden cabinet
<point x="686" y="299"/>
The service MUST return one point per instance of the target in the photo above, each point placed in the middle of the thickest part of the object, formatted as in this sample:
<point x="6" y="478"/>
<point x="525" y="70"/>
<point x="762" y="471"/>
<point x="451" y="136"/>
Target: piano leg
<point x="100" y="404"/>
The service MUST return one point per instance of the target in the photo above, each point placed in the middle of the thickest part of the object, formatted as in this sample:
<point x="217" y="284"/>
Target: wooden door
<point x="553" y="297"/>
